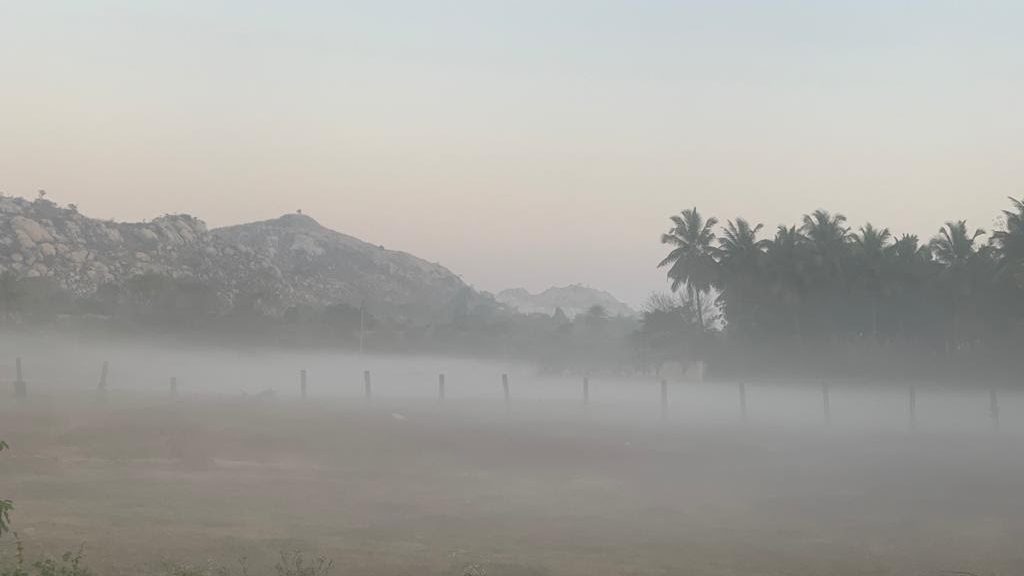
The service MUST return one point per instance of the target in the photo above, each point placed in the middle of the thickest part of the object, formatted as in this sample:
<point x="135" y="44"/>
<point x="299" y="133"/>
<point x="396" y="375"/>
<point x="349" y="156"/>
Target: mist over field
<point x="531" y="288"/>
<point x="278" y="397"/>
<point x="143" y="368"/>
<point x="405" y="481"/>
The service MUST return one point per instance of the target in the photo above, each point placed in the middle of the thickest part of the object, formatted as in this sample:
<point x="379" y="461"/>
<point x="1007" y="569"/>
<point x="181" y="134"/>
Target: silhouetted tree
<point x="741" y="257"/>
<point x="832" y="292"/>
<point x="692" y="260"/>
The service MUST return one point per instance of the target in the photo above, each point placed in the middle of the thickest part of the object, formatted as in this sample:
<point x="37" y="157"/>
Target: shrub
<point x="5" y="505"/>
<point x="294" y="564"/>
<point x="69" y="564"/>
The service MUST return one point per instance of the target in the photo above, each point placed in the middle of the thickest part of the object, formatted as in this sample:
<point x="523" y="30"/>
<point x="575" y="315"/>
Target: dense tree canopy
<point x="824" y="296"/>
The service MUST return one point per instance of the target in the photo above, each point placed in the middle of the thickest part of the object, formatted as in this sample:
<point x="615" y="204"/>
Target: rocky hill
<point x="289" y="261"/>
<point x="574" y="299"/>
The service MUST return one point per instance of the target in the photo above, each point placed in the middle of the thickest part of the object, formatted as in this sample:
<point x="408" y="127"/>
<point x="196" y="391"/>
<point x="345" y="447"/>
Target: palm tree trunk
<point x="874" y="319"/>
<point x="798" y="326"/>
<point x="956" y="328"/>
<point x="700" y="310"/>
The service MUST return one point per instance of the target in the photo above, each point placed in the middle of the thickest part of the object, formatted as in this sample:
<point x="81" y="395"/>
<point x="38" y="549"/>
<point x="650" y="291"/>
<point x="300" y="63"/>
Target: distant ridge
<point x="573" y="299"/>
<point x="287" y="261"/>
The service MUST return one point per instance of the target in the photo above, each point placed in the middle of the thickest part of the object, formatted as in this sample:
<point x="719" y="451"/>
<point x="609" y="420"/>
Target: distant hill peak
<point x="573" y="299"/>
<point x="296" y="220"/>
<point x="287" y="261"/>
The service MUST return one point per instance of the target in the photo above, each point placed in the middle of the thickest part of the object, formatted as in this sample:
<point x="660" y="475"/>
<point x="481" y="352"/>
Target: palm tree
<point x="739" y="246"/>
<point x="872" y="242"/>
<point x="911" y="267"/>
<point x="954" y="246"/>
<point x="954" y="249"/>
<point x="906" y="248"/>
<point x="827" y="288"/>
<point x="827" y="236"/>
<point x="872" y="249"/>
<point x="741" y="259"/>
<point x="1010" y="242"/>
<point x="692" y="260"/>
<point x="828" y="243"/>
<point x="787" y="272"/>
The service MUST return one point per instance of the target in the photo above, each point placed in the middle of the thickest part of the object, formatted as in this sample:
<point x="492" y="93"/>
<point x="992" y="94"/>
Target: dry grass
<point x="143" y="481"/>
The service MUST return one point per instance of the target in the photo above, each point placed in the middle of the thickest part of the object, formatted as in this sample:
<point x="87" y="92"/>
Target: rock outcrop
<point x="318" y="266"/>
<point x="285" y="262"/>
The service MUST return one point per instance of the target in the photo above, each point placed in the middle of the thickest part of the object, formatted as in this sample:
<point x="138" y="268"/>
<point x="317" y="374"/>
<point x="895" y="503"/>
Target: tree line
<point x="472" y="324"/>
<point x="821" y="297"/>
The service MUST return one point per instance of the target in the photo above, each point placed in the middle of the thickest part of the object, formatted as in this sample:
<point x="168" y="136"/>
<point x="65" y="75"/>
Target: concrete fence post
<point x="993" y="408"/>
<point x="664" y="400"/>
<point x="101" y="387"/>
<point x="20" y="386"/>
<point x="912" y="407"/>
<point x="826" y="403"/>
<point x="743" y="401"/>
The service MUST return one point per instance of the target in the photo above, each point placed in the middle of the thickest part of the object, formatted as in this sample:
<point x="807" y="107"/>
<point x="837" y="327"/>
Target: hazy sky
<point x="519" y="143"/>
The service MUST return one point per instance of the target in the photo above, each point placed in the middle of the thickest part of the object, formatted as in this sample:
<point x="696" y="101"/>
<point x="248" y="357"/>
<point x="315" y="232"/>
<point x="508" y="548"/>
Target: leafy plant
<point x="5" y="505"/>
<point x="69" y="564"/>
<point x="294" y="564"/>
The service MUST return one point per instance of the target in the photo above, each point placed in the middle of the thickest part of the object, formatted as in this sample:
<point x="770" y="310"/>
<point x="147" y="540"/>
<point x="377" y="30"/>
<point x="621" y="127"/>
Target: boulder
<point x="30" y="229"/>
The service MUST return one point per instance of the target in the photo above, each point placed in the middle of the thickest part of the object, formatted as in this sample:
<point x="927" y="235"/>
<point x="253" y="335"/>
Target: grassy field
<point x="413" y="488"/>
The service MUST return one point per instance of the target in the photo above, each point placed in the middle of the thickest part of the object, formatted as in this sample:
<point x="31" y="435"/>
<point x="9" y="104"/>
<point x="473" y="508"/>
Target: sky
<point x="519" y="143"/>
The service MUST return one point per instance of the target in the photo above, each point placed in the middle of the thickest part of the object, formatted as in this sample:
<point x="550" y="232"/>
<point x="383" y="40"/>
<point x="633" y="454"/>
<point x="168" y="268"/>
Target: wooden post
<point x="912" y="408"/>
<point x="367" y="385"/>
<point x="440" y="387"/>
<point x="174" y="386"/>
<point x="103" y="376"/>
<point x="743" y="401"/>
<point x="826" y="403"/>
<point x="993" y="408"/>
<point x="505" y="390"/>
<point x="20" y="387"/>
<point x="302" y="382"/>
<point x="586" y="391"/>
<point x="101" y="388"/>
<point x="664" y="400"/>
